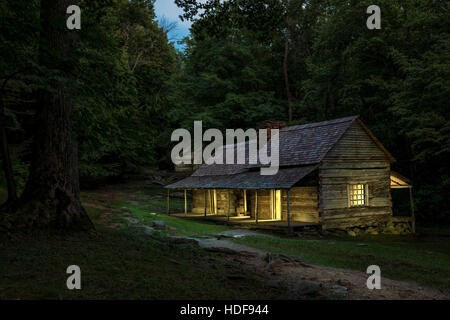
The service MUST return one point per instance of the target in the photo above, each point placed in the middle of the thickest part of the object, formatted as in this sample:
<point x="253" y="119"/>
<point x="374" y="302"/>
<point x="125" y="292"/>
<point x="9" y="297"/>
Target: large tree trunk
<point x="6" y="159"/>
<point x="7" y="167"/>
<point x="51" y="196"/>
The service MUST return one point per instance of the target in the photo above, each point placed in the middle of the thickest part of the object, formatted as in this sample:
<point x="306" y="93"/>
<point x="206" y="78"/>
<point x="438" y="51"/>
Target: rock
<point x="175" y="240"/>
<point x="351" y="233"/>
<point x="149" y="231"/>
<point x="137" y="227"/>
<point x="390" y="229"/>
<point x="222" y="250"/>
<point x="361" y="244"/>
<point x="338" y="292"/>
<point x="371" y="230"/>
<point x="344" y="283"/>
<point x="159" y="224"/>
<point x="131" y="220"/>
<point x="308" y="288"/>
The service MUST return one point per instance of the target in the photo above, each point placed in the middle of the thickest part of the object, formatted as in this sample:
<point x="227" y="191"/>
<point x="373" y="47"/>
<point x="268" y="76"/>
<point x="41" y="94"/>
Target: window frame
<point x="365" y="194"/>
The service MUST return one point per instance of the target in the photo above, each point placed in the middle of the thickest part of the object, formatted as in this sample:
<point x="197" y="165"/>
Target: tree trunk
<point x="51" y="196"/>
<point x="286" y="75"/>
<point x="7" y="167"/>
<point x="6" y="159"/>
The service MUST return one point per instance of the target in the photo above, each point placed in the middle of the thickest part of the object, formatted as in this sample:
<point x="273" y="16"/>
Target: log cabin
<point x="334" y="174"/>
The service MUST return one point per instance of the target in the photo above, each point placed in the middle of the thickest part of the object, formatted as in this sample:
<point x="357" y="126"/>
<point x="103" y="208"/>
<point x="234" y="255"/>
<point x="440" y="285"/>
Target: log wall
<point x="355" y="159"/>
<point x="304" y="204"/>
<point x="236" y="202"/>
<point x="264" y="202"/>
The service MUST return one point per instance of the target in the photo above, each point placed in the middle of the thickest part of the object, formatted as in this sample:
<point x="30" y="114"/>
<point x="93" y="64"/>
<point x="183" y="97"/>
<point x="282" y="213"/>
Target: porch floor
<point x="246" y="221"/>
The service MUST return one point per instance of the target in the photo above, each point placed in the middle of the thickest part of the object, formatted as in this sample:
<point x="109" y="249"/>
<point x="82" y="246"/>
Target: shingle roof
<point x="284" y="179"/>
<point x="309" y="143"/>
<point x="301" y="147"/>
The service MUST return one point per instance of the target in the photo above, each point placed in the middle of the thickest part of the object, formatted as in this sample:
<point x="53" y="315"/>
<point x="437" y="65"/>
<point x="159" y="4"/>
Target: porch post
<point x="210" y="201"/>
<point x="229" y="205"/>
<point x="256" y="206"/>
<point x="271" y="204"/>
<point x="289" y="210"/>
<point x="168" y="201"/>
<point x="411" y="203"/>
<point x="185" y="203"/>
<point x="215" y="201"/>
<point x="245" y="201"/>
<point x="206" y="203"/>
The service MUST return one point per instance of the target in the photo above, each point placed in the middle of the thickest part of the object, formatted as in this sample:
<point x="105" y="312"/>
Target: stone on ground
<point x="159" y="224"/>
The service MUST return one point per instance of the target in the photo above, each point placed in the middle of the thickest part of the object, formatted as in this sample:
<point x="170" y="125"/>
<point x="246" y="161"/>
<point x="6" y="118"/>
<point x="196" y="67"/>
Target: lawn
<point x="126" y="264"/>
<point x="122" y="264"/>
<point x="424" y="258"/>
<point x="182" y="226"/>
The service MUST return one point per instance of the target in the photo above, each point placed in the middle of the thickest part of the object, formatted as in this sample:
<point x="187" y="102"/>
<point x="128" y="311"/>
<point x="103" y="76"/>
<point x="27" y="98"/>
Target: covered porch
<point x="248" y="222"/>
<point x="399" y="182"/>
<point x="284" y="200"/>
<point x="251" y="208"/>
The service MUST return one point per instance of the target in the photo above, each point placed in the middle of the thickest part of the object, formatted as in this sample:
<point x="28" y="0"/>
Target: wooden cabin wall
<point x="222" y="201"/>
<point x="304" y="204"/>
<point x="240" y="207"/>
<point x="354" y="159"/>
<point x="264" y="211"/>
<point x="198" y="201"/>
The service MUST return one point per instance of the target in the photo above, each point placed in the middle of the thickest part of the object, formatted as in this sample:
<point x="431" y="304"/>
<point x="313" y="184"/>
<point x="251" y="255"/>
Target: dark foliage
<point x="133" y="88"/>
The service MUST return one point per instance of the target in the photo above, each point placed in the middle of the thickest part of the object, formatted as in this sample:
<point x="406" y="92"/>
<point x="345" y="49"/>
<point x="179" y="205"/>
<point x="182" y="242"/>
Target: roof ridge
<point x="320" y="124"/>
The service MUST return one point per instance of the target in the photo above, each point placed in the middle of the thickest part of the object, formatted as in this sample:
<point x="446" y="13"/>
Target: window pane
<point x="357" y="196"/>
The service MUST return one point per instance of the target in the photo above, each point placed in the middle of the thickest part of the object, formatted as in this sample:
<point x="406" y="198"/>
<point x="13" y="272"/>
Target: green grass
<point x="125" y="264"/>
<point x="121" y="264"/>
<point x="427" y="263"/>
<point x="422" y="260"/>
<point x="183" y="226"/>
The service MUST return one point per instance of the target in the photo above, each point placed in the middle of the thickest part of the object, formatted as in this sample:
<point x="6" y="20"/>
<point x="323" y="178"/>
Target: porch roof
<point x="399" y="182"/>
<point x="284" y="179"/>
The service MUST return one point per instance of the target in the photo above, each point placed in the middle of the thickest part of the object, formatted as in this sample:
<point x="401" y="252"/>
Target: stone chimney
<point x="269" y="125"/>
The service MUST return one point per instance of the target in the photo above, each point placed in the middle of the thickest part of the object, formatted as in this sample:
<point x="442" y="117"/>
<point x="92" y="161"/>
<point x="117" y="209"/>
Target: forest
<point x="108" y="96"/>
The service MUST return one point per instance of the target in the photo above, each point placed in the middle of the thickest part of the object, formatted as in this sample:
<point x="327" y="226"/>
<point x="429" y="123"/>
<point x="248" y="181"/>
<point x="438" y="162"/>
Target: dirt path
<point x="312" y="281"/>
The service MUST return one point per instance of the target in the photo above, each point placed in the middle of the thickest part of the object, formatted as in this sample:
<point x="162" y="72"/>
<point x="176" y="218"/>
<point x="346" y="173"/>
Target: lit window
<point x="357" y="195"/>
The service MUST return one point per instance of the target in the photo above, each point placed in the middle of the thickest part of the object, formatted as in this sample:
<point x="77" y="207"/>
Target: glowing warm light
<point x="357" y="195"/>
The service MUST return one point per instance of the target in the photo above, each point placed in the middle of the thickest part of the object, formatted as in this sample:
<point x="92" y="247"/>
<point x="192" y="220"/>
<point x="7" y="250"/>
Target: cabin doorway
<point x="275" y="196"/>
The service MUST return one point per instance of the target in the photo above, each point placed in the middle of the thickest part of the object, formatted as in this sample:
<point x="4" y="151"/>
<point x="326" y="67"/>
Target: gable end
<point x="359" y="143"/>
